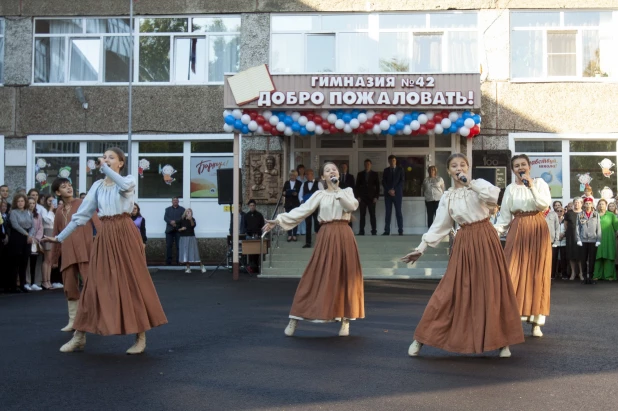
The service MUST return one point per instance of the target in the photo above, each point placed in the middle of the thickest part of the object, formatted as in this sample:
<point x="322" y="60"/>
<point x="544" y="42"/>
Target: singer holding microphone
<point x="331" y="288"/>
<point x="528" y="245"/>
<point x="474" y="308"/>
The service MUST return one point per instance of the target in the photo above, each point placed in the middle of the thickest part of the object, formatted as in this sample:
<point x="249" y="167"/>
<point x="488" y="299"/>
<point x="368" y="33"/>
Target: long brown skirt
<point x="118" y="296"/>
<point x="331" y="288"/>
<point x="473" y="308"/>
<point x="528" y="253"/>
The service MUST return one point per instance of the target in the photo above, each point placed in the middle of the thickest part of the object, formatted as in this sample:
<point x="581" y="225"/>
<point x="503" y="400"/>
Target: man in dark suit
<point x="172" y="217"/>
<point x="309" y="187"/>
<point x="392" y="181"/>
<point x="346" y="179"/>
<point x="291" y="191"/>
<point x="367" y="192"/>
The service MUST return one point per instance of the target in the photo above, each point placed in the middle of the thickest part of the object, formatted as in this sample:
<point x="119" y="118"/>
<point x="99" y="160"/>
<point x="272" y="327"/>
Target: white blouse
<point x="519" y="198"/>
<point x="334" y="205"/>
<point x="463" y="206"/>
<point x="109" y="199"/>
<point x="48" y="219"/>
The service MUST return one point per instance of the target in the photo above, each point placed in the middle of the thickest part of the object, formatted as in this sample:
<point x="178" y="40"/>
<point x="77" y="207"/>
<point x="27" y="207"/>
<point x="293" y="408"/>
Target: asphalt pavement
<point x="224" y="349"/>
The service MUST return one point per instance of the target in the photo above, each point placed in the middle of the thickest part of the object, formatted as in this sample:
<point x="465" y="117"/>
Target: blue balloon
<point x="392" y="130"/>
<point x="385" y="132"/>
<point x="407" y="119"/>
<point x="288" y="121"/>
<point x="296" y="126"/>
<point x="303" y="131"/>
<point x="446" y="131"/>
<point x="466" y="114"/>
<point x="547" y="177"/>
<point x="477" y="119"/>
<point x="339" y="114"/>
<point x="229" y="120"/>
<point x="244" y="129"/>
<point x="460" y="122"/>
<point x="355" y="113"/>
<point x="238" y="124"/>
<point x="453" y="128"/>
<point x="414" y="116"/>
<point x="399" y="125"/>
<point x="346" y="118"/>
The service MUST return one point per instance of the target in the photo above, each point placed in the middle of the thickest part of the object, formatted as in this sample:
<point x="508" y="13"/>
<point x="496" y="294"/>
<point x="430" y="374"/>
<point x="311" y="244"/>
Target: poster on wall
<point x="263" y="176"/>
<point x="204" y="175"/>
<point x="549" y="168"/>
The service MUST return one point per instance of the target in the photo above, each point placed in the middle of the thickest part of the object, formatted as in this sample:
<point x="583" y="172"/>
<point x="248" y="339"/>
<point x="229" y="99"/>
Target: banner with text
<point x="204" y="175"/>
<point x="549" y="168"/>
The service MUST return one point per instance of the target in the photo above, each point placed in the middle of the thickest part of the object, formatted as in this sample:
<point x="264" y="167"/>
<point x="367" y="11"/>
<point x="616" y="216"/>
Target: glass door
<point x="414" y="167"/>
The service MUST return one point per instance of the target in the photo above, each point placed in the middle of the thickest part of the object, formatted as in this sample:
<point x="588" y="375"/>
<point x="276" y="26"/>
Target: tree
<point x="394" y="65"/>
<point x="154" y="51"/>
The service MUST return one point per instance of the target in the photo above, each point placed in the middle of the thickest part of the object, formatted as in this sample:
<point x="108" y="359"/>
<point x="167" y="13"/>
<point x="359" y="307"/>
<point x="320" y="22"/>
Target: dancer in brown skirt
<point x="75" y="250"/>
<point x="473" y="309"/>
<point x="331" y="288"/>
<point x="528" y="244"/>
<point x="118" y="296"/>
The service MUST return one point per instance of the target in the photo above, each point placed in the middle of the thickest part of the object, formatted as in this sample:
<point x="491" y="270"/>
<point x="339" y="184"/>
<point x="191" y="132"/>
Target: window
<point x="53" y="160"/>
<point x="195" y="50"/>
<point x="444" y="42"/>
<point x="562" y="44"/>
<point x="527" y="146"/>
<point x="95" y="150"/>
<point x="1" y="51"/>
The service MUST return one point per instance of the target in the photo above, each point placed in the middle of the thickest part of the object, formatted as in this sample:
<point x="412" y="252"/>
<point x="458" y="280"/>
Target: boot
<point x="140" y="344"/>
<point x="77" y="343"/>
<point x="203" y="268"/>
<point x="415" y="348"/>
<point x="505" y="352"/>
<point x="72" y="314"/>
<point x="581" y="276"/>
<point x="344" y="331"/>
<point x="536" y="331"/>
<point x="289" y="330"/>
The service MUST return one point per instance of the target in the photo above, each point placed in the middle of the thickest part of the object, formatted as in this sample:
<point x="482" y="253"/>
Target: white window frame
<point x="565" y="153"/>
<point x="374" y="31"/>
<point x="544" y="78"/>
<point x="3" y="24"/>
<point x="136" y="41"/>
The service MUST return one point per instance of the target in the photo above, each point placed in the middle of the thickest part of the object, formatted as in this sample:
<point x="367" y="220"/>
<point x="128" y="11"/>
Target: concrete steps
<point x="379" y="257"/>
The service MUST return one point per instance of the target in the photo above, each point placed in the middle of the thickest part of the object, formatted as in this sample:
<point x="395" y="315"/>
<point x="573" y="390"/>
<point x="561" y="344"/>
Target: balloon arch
<point x="305" y="123"/>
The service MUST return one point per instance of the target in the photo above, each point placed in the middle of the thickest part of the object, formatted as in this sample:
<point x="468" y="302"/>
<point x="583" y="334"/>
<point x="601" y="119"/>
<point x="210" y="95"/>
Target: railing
<point x="272" y="247"/>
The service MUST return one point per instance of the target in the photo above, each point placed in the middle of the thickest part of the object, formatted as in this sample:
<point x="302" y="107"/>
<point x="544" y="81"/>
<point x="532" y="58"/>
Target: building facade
<point x="547" y="68"/>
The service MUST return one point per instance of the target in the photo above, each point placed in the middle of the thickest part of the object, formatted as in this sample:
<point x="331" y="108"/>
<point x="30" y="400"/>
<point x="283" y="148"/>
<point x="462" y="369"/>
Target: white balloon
<point x="376" y="129"/>
<point x="385" y="125"/>
<point x="429" y="115"/>
<point x="446" y="123"/>
<point x="332" y="117"/>
<point x="267" y="114"/>
<point x="274" y="120"/>
<point x="464" y="131"/>
<point x="347" y="128"/>
<point x="281" y="126"/>
<point x="362" y="117"/>
<point x="453" y="116"/>
<point x="399" y="132"/>
<point x="246" y="118"/>
<point x="288" y="131"/>
<point x="310" y="126"/>
<point x="339" y="124"/>
<point x="370" y="131"/>
<point x="302" y="120"/>
<point x="370" y="113"/>
<point x="439" y="129"/>
<point x="422" y="118"/>
<point x="228" y="128"/>
<point x="469" y="123"/>
<point x="392" y="119"/>
<point x="295" y="116"/>
<point x="431" y="132"/>
<point x="325" y="114"/>
<point x="415" y="125"/>
<point x="319" y="130"/>
<point x="354" y="123"/>
<point x="253" y="125"/>
<point x="407" y="130"/>
<point x="226" y="113"/>
<point x="237" y="114"/>
<point x="399" y="115"/>
<point x="289" y="113"/>
<point x="260" y="130"/>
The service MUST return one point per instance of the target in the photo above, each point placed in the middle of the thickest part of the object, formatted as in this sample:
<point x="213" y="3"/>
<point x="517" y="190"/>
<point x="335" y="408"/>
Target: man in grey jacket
<point x="588" y="237"/>
<point x="554" y="233"/>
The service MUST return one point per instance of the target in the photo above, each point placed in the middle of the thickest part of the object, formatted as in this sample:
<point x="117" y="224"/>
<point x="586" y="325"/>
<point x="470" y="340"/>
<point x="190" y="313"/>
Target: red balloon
<point x="415" y="132"/>
<point x="445" y="113"/>
<point x="361" y="128"/>
<point x="385" y="114"/>
<point x="476" y="130"/>
<point x="332" y="128"/>
<point x="430" y="124"/>
<point x="253" y="115"/>
<point x="309" y="116"/>
<point x="437" y="118"/>
<point x="377" y="118"/>
<point x="368" y="124"/>
<point x="317" y="120"/>
<point x="260" y="120"/>
<point x="422" y="130"/>
<point x="267" y="127"/>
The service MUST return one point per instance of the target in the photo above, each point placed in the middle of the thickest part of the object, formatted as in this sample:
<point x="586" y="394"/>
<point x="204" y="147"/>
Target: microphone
<point x="334" y="180"/>
<point x="526" y="182"/>
<point x="463" y="179"/>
